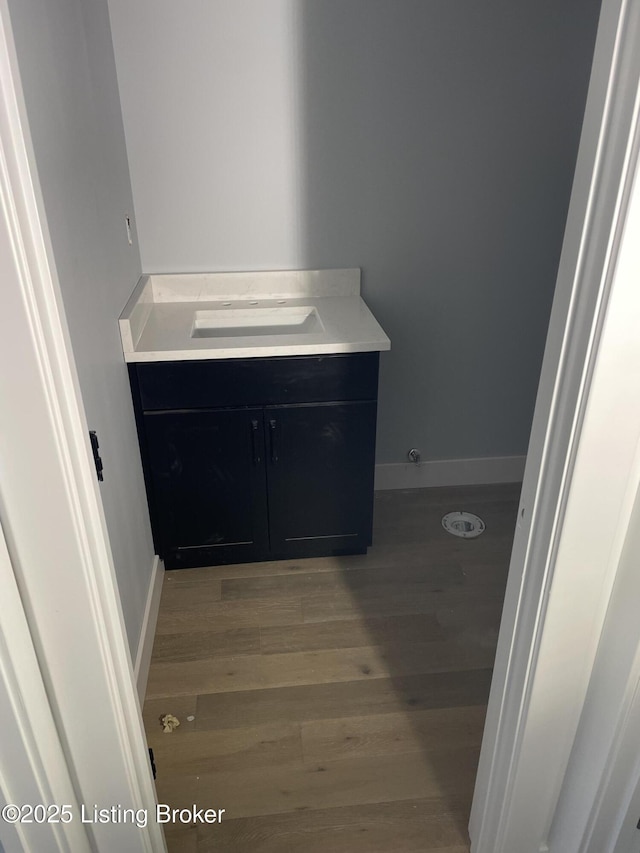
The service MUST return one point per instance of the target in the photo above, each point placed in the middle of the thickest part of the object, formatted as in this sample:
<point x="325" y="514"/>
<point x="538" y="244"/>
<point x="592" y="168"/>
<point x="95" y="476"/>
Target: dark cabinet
<point x="208" y="479"/>
<point x="320" y="477"/>
<point x="257" y="459"/>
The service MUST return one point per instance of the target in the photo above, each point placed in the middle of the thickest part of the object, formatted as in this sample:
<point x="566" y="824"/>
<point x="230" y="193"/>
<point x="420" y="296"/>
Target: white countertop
<point x="158" y="320"/>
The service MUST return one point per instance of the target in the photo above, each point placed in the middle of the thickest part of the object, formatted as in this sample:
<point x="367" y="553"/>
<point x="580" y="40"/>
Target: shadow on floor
<point x="441" y="597"/>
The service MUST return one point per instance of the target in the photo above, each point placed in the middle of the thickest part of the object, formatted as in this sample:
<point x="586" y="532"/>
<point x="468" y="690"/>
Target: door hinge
<point x="96" y="456"/>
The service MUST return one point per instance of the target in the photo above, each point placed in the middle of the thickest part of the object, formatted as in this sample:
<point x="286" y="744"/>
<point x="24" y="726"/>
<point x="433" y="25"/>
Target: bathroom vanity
<point x="255" y="397"/>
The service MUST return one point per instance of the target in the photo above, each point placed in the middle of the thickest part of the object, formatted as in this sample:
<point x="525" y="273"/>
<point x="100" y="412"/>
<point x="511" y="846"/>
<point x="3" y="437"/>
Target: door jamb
<point x="545" y="655"/>
<point x="51" y="512"/>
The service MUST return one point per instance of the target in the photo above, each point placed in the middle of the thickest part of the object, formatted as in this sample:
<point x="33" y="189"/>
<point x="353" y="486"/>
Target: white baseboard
<point x="147" y="633"/>
<point x="450" y="472"/>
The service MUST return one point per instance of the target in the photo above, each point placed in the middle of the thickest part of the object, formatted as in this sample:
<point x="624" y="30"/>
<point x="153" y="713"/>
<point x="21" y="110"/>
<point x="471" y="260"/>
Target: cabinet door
<point x="209" y="485"/>
<point x="320" y="475"/>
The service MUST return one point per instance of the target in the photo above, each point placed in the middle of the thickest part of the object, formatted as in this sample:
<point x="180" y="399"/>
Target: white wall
<point x="66" y="63"/>
<point x="431" y="143"/>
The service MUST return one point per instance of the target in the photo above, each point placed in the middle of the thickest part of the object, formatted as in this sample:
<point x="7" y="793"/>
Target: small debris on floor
<point x="169" y="723"/>
<point x="190" y="718"/>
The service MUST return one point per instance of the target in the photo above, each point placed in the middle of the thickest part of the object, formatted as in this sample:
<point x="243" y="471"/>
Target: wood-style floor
<point x="337" y="703"/>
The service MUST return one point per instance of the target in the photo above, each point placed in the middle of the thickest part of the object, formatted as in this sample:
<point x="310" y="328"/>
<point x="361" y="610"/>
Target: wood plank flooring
<point x="337" y="703"/>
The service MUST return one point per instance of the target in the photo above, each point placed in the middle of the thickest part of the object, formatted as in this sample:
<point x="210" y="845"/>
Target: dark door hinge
<point x="153" y="762"/>
<point x="96" y="456"/>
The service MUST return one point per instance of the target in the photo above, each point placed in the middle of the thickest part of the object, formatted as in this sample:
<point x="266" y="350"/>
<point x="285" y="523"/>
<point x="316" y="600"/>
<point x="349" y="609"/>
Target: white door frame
<point x="33" y="768"/>
<point x="55" y="533"/>
<point x="617" y="807"/>
<point x="582" y="474"/>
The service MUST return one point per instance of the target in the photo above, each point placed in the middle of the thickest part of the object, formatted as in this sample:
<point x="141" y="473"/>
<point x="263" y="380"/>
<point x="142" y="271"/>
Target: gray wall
<point x="66" y="63"/>
<point x="432" y="143"/>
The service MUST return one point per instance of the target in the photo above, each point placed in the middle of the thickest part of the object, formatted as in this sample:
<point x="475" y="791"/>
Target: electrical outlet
<point x="127" y="219"/>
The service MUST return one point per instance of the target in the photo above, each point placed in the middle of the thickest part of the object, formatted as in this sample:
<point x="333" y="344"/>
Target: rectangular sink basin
<point x="250" y="322"/>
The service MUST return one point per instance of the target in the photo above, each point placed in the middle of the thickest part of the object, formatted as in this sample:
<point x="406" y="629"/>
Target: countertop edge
<point x="256" y="352"/>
